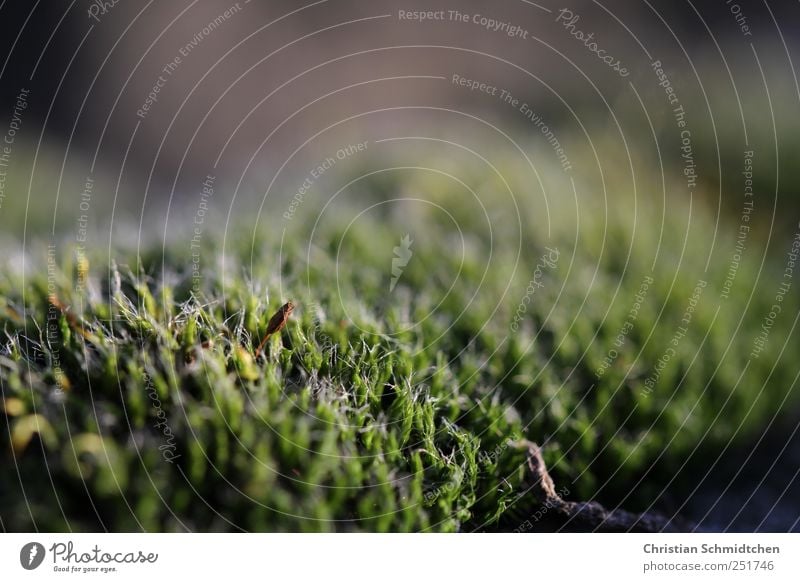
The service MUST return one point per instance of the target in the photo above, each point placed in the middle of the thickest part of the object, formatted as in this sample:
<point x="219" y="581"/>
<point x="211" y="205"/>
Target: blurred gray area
<point x="256" y="91"/>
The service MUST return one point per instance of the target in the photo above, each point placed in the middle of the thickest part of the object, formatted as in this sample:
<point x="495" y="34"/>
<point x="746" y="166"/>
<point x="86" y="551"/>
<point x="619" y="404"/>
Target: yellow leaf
<point x="13" y="406"/>
<point x="26" y="427"/>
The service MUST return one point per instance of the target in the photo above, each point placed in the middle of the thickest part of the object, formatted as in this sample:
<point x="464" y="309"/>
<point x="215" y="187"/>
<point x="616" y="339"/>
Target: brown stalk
<point x="276" y="324"/>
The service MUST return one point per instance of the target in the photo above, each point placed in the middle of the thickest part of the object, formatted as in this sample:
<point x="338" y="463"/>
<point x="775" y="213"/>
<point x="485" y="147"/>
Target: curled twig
<point x="589" y="515"/>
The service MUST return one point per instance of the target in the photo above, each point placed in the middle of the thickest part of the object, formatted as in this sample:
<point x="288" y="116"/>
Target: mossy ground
<point x="134" y="399"/>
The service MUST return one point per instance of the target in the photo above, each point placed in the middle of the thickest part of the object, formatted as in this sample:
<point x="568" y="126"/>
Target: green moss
<point x="375" y="410"/>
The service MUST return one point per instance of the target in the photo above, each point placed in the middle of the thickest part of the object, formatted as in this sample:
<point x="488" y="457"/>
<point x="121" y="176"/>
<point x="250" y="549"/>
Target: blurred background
<point x="258" y="93"/>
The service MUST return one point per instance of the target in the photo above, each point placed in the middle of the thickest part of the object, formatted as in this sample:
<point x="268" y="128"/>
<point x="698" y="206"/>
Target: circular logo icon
<point x="31" y="555"/>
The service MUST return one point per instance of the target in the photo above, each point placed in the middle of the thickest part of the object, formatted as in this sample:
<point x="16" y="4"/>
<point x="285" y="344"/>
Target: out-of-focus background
<point x="256" y="93"/>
